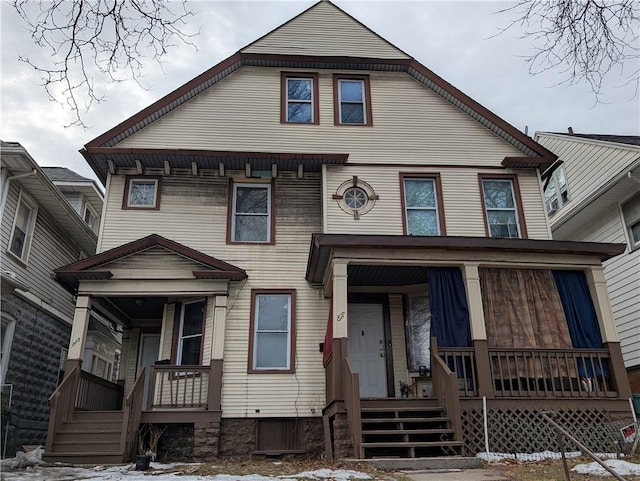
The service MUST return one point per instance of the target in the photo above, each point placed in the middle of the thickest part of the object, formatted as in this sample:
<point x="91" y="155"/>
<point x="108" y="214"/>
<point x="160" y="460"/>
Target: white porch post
<point x="600" y="297"/>
<point x="219" y="327"/>
<point x="340" y="299"/>
<point x="79" y="329"/>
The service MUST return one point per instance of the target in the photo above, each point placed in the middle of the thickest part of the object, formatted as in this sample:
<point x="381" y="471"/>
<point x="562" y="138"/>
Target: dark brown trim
<point x="177" y="314"/>
<point x="127" y="186"/>
<point x="367" y="99"/>
<point x="541" y="163"/>
<point x="230" y="275"/>
<point x="439" y="200"/>
<point x="315" y="115"/>
<point x="230" y="212"/>
<point x="522" y="225"/>
<point x="252" y="333"/>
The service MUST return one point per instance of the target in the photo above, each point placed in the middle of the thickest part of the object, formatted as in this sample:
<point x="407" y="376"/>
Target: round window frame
<point x="360" y="184"/>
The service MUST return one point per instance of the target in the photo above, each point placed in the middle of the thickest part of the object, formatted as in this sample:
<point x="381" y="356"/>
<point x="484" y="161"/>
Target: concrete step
<point x="435" y="463"/>
<point x="85" y="458"/>
<point x="85" y="447"/>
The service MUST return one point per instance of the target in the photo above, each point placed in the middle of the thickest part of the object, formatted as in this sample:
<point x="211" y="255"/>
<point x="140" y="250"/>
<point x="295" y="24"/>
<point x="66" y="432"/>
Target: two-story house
<point x="40" y="232"/>
<point x="595" y="196"/>
<point x="320" y="244"/>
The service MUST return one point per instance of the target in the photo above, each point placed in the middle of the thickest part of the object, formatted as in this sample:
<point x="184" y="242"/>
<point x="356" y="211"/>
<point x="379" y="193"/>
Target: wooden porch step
<point x="88" y="435"/>
<point x="392" y="432"/>
<point x="435" y="419"/>
<point x="100" y="457"/>
<point x="85" y="447"/>
<point x="403" y="409"/>
<point x="101" y="416"/>
<point x="410" y="444"/>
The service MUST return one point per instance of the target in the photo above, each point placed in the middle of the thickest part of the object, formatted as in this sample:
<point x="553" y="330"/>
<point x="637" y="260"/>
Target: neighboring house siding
<point x="194" y="212"/>
<point x="33" y="370"/>
<point x="461" y="195"/>
<point x="75" y="199"/>
<point x="327" y="32"/>
<point x="50" y="249"/>
<point x="438" y="134"/>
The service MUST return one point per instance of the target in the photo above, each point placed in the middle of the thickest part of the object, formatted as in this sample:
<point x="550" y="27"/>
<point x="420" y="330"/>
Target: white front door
<point x="149" y="351"/>
<point x="367" y="348"/>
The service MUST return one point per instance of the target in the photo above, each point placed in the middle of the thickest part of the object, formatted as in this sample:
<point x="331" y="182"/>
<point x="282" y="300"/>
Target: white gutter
<point x="5" y="187"/>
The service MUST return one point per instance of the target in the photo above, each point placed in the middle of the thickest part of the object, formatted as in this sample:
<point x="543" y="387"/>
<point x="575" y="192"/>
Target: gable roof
<point x="618" y="139"/>
<point x="95" y="267"/>
<point x="314" y="19"/>
<point x="62" y="174"/>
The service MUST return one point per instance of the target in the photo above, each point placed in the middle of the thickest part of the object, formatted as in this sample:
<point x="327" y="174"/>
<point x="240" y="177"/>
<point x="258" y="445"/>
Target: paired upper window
<point x="556" y="194"/>
<point x="251" y="213"/>
<point x="190" y="329"/>
<point x="23" y="226"/>
<point x="631" y="213"/>
<point x="422" y="205"/>
<point x="352" y="100"/>
<point x="502" y="210"/>
<point x="299" y="98"/>
<point x="272" y="346"/>
<point x="142" y="193"/>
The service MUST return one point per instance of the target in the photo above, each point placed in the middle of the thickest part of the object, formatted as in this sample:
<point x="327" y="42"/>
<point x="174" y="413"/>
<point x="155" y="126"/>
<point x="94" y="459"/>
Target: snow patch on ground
<point x="623" y="468"/>
<point x="537" y="456"/>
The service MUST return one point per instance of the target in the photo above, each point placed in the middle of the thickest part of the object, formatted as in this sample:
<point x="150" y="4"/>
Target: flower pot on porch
<point x="142" y="462"/>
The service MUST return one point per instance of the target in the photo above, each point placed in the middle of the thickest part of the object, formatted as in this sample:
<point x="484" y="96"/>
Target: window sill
<point x="19" y="260"/>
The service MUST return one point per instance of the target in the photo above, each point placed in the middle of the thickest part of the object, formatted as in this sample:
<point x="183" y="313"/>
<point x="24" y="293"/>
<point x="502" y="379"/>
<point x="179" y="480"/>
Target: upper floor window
<point x="422" y="205"/>
<point x="251" y="213"/>
<point x="631" y="213"/>
<point x="556" y="194"/>
<point x="352" y="99"/>
<point x="503" y="213"/>
<point x="299" y="98"/>
<point x="90" y="217"/>
<point x="189" y="349"/>
<point x="23" y="226"/>
<point x="142" y="193"/>
<point x="272" y="331"/>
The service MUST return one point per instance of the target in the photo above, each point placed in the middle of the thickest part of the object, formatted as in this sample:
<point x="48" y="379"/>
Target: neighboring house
<point x="595" y="196"/>
<point x="40" y="232"/>
<point x="343" y="181"/>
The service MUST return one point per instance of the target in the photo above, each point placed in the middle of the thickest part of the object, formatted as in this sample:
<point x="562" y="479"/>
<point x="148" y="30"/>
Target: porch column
<point x="610" y="341"/>
<point x="478" y="329"/>
<point x="78" y="333"/>
<point x="214" y="395"/>
<point x="339" y="311"/>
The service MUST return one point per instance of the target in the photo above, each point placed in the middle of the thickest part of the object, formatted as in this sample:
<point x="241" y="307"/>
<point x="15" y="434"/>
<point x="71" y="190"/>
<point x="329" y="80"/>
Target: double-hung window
<point x="631" y="213"/>
<point x="189" y="349"/>
<point x="90" y="217"/>
<point x="503" y="214"/>
<point x="272" y="331"/>
<point x="23" y="226"/>
<point x="142" y="193"/>
<point x="556" y="194"/>
<point x="300" y="98"/>
<point x="421" y="206"/>
<point x="352" y="100"/>
<point x="251" y="217"/>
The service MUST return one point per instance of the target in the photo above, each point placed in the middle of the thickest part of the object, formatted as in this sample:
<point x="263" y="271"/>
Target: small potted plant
<point x="148" y="437"/>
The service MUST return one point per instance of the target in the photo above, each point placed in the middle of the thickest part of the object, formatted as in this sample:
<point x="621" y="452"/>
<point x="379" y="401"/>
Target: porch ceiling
<point x="140" y="308"/>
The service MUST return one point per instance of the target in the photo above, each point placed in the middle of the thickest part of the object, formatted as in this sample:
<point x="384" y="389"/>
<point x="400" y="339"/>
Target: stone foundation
<point x="177" y="442"/>
<point x="342" y="442"/>
<point x="237" y="437"/>
<point x="206" y="437"/>
<point x="312" y="435"/>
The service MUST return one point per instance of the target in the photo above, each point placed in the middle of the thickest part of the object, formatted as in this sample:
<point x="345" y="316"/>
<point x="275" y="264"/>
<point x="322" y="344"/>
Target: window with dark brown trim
<point x="352" y="100"/>
<point x="422" y="206"/>
<point x="141" y="193"/>
<point x="272" y="331"/>
<point x="502" y="206"/>
<point x="299" y="98"/>
<point x="189" y="331"/>
<point x="251" y="216"/>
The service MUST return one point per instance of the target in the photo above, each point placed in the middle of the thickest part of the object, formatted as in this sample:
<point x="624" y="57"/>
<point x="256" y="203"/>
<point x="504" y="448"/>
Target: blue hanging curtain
<point x="582" y="320"/>
<point x="449" y="310"/>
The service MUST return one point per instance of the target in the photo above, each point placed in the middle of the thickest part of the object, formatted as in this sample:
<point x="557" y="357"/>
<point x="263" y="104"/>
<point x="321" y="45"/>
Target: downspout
<point x="5" y="187"/>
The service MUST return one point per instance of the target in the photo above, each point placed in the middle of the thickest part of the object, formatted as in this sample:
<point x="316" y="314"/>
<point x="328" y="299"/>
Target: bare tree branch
<point x="584" y="39"/>
<point x="108" y="38"/>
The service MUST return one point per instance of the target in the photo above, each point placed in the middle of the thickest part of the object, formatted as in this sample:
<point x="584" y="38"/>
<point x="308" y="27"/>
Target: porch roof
<point x="322" y="246"/>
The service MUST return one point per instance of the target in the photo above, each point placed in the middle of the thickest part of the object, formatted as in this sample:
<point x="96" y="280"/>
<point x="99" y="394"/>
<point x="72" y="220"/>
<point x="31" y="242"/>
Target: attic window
<point x="142" y="193"/>
<point x="299" y="98"/>
<point x="352" y="100"/>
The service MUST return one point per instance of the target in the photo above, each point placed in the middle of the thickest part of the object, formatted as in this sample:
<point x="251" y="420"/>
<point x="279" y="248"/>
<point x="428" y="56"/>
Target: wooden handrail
<point x="352" y="405"/>
<point x="445" y="389"/>
<point x="131" y="417"/>
<point x="62" y="404"/>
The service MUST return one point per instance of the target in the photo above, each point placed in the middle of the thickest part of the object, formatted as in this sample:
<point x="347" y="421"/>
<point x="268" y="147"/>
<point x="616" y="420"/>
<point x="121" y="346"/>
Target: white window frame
<point x="364" y="101"/>
<point x="87" y="208"/>
<point x="234" y="212"/>
<point x="23" y="197"/>
<point x="145" y="180"/>
<point x="434" y="208"/>
<point x="558" y="190"/>
<point x="191" y="336"/>
<point x="631" y="220"/>
<point x="297" y="101"/>
<point x="514" y="208"/>
<point x="256" y="331"/>
<point x="10" y="324"/>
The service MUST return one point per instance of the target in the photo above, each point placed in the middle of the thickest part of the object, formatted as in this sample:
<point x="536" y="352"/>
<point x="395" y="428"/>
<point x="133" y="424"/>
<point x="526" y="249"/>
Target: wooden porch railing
<point x="445" y="389"/>
<point x="173" y="387"/>
<point x="131" y="417"/>
<point x="551" y="373"/>
<point x="462" y="361"/>
<point x="98" y="394"/>
<point x="352" y="406"/>
<point x="62" y="405"/>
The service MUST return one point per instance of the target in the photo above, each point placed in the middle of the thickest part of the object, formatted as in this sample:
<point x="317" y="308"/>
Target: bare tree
<point x="584" y="39"/>
<point x="107" y="38"/>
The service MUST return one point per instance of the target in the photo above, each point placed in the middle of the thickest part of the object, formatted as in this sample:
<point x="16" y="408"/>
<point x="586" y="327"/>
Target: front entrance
<point x="150" y="346"/>
<point x="367" y="349"/>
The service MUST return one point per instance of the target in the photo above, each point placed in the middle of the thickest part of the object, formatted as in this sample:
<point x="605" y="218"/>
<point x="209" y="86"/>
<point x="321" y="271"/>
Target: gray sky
<point x="454" y="39"/>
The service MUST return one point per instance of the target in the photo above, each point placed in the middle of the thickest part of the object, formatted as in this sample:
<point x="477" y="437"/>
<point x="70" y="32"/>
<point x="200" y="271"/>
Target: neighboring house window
<point x="190" y="331"/>
<point x="272" y="331"/>
<point x="422" y="205"/>
<point x="299" y="98"/>
<point x="556" y="194"/>
<point x="631" y="213"/>
<point x="90" y="217"/>
<point x="352" y="100"/>
<point x="503" y="213"/>
<point x="142" y="193"/>
<point x="6" y="337"/>
<point x="23" y="226"/>
<point x="251" y="213"/>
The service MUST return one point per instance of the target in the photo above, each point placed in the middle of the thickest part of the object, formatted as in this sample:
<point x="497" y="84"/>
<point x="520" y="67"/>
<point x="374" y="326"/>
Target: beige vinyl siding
<point x="325" y="31"/>
<point x="588" y="165"/>
<point x="50" y="249"/>
<point x="623" y="282"/>
<point x="243" y="113"/>
<point x="154" y="263"/>
<point x="462" y="200"/>
<point x="193" y="212"/>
